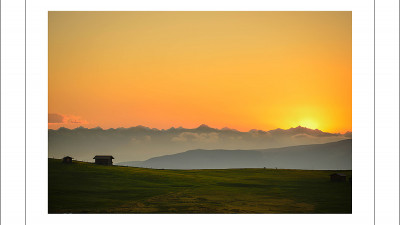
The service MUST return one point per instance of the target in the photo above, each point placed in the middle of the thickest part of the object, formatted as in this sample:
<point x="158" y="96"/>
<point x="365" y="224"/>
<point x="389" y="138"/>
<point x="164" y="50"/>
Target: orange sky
<point x="243" y="70"/>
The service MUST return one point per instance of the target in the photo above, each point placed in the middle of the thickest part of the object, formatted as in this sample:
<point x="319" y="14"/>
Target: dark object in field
<point x="338" y="177"/>
<point x="103" y="160"/>
<point x="67" y="159"/>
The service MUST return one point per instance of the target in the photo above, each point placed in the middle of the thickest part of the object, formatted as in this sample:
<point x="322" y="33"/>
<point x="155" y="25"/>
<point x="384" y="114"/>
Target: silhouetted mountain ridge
<point x="204" y="127"/>
<point x="141" y="142"/>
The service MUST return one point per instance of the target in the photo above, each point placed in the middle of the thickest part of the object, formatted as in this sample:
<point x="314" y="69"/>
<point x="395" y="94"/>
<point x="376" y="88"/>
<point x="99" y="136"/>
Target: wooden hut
<point x="67" y="159"/>
<point x="338" y="177"/>
<point x="103" y="160"/>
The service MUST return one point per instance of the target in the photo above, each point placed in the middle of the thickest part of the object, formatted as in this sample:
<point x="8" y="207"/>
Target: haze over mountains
<point x="329" y="156"/>
<point x="141" y="143"/>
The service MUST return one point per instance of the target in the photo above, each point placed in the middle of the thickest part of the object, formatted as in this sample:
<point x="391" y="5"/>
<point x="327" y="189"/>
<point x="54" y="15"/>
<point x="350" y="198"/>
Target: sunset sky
<point x="243" y="70"/>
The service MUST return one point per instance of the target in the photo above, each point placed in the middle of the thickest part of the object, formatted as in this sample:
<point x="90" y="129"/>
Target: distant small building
<point x="338" y="177"/>
<point x="103" y="160"/>
<point x="67" y="159"/>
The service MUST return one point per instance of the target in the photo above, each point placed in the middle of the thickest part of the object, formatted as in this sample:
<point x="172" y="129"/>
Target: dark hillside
<point x="88" y="188"/>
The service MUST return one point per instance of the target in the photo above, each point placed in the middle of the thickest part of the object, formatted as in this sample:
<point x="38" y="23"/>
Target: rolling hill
<point x="329" y="156"/>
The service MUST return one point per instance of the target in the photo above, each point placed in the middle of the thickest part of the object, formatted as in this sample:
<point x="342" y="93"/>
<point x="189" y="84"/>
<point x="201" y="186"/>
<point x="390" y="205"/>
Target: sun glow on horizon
<point x="309" y="123"/>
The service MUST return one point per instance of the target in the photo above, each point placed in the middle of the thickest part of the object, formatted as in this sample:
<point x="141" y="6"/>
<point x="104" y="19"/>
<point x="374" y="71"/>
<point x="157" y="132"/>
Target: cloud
<point x="296" y="136"/>
<point x="303" y="138"/>
<point x="55" y="118"/>
<point x="144" y="139"/>
<point x="258" y="133"/>
<point x="196" y="137"/>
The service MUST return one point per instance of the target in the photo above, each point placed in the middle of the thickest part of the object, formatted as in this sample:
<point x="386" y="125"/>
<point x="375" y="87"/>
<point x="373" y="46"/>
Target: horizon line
<point x="200" y="126"/>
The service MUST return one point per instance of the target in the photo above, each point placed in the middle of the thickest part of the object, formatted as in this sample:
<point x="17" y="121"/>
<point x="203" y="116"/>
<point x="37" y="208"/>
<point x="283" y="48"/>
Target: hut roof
<point x="67" y="157"/>
<point x="103" y="157"/>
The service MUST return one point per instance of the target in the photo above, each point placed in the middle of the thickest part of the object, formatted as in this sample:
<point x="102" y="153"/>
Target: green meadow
<point x="88" y="188"/>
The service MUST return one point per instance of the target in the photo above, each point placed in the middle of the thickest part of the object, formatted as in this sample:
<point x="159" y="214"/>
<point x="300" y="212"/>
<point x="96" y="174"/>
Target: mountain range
<point x="141" y="143"/>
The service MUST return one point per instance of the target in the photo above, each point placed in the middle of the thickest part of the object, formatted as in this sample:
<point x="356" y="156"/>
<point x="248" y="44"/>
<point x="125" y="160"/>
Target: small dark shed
<point x="338" y="177"/>
<point x="67" y="159"/>
<point x="103" y="160"/>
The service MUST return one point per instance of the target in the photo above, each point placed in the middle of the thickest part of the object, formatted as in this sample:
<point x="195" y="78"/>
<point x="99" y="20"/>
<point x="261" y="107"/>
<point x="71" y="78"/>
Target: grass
<point x="88" y="188"/>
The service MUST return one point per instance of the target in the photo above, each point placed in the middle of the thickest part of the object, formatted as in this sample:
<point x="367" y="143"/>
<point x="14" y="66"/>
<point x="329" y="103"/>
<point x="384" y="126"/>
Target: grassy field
<point x="88" y="188"/>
